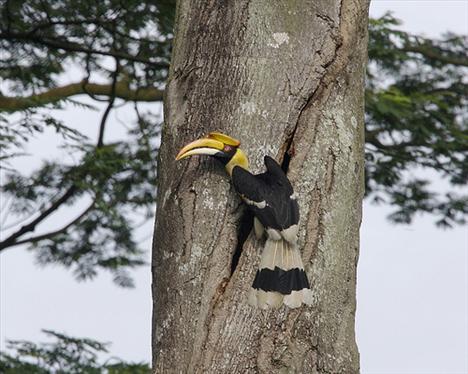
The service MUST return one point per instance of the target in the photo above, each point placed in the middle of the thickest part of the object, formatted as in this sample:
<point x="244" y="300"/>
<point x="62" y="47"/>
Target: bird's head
<point x="220" y="146"/>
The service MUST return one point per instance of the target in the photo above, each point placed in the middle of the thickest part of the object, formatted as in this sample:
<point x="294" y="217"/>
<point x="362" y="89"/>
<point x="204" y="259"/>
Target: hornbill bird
<point x="280" y="278"/>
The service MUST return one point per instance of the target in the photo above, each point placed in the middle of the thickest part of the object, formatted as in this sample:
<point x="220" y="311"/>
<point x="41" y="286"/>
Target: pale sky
<point x="412" y="313"/>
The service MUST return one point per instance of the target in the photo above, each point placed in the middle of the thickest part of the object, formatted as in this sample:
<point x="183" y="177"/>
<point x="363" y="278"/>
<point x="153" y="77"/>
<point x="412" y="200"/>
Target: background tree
<point x="416" y="120"/>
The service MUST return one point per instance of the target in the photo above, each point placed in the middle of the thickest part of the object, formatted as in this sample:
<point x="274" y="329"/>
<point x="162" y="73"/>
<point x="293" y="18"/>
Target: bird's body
<point x="271" y="198"/>
<point x="281" y="278"/>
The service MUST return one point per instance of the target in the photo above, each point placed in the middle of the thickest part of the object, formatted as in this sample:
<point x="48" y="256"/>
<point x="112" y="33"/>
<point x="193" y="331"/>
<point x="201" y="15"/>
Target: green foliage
<point x="15" y="133"/>
<point x="416" y="118"/>
<point x="41" y="39"/>
<point x="63" y="355"/>
<point x="115" y="179"/>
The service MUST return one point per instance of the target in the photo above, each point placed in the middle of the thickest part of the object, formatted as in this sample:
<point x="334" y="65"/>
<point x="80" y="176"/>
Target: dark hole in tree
<point x="245" y="226"/>
<point x="285" y="163"/>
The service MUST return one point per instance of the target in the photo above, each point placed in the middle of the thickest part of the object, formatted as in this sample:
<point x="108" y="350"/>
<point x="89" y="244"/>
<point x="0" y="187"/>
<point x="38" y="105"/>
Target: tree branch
<point x="115" y="75"/>
<point x="69" y="46"/>
<point x="51" y="234"/>
<point x="52" y="23"/>
<point x="57" y="94"/>
<point x="434" y="54"/>
<point x="11" y="240"/>
<point x="7" y="12"/>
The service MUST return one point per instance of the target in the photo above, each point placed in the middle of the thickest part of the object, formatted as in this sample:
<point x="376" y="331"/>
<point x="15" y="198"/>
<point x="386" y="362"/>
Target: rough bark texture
<point x="284" y="77"/>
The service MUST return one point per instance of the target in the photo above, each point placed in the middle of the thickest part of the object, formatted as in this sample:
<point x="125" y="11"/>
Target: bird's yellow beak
<point x="203" y="146"/>
<point x="214" y="143"/>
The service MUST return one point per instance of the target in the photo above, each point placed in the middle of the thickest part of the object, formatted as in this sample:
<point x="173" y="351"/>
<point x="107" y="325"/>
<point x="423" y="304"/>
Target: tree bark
<point x="287" y="79"/>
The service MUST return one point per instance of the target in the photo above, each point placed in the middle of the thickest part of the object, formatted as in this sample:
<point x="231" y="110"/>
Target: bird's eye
<point x="227" y="148"/>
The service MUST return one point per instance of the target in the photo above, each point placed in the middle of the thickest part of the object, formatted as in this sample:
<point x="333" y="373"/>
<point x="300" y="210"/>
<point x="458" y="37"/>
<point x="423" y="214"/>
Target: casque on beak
<point x="214" y="143"/>
<point x="204" y="146"/>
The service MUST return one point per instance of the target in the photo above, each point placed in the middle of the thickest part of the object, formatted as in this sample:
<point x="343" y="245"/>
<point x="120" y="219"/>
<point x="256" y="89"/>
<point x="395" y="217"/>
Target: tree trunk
<point x="287" y="79"/>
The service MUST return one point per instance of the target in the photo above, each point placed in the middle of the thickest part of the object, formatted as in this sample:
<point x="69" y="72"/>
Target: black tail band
<point x="279" y="280"/>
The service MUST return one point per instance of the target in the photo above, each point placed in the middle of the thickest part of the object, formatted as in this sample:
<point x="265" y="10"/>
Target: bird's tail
<point x="280" y="278"/>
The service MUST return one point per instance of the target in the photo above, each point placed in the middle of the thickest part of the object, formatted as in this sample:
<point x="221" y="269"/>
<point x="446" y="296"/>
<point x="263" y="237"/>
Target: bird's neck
<point x="239" y="159"/>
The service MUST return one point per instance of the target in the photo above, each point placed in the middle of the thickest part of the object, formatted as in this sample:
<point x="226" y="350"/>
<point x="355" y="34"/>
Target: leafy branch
<point x="53" y="95"/>
<point x="69" y="46"/>
<point x="31" y="226"/>
<point x="432" y="52"/>
<point x="64" y="354"/>
<point x="52" y="234"/>
<point x="12" y="240"/>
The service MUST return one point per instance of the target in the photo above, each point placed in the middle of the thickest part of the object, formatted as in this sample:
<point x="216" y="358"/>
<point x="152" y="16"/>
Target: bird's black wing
<point x="268" y="195"/>
<point x="248" y="185"/>
<point x="275" y="172"/>
<point x="287" y="209"/>
<point x="256" y="193"/>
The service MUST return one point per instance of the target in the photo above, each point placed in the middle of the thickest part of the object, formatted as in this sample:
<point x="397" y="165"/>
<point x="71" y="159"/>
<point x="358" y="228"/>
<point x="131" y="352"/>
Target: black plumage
<point x="272" y="187"/>
<point x="279" y="280"/>
<point x="281" y="277"/>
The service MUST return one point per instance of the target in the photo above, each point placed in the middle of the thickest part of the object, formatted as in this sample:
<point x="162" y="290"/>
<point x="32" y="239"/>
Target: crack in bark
<point x="330" y="176"/>
<point x="288" y="145"/>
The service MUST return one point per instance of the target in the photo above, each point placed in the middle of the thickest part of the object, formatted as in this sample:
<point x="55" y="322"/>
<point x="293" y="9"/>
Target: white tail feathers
<point x="281" y="278"/>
